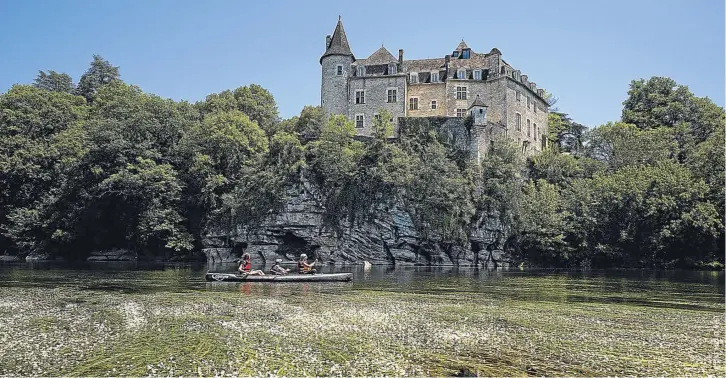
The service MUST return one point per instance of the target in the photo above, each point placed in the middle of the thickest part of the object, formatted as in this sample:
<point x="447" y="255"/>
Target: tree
<point x="661" y="102"/>
<point x="563" y="133"/>
<point x="643" y="215"/>
<point x="54" y="81"/>
<point x="619" y="145"/>
<point x="99" y="74"/>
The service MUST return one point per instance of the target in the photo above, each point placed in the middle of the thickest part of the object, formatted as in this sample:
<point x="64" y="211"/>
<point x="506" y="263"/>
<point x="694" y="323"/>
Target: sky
<point x="585" y="52"/>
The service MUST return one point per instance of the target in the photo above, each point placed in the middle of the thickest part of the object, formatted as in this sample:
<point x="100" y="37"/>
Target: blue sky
<point x="586" y="52"/>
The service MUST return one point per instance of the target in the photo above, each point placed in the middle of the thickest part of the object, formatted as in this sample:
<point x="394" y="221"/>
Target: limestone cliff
<point x="389" y="238"/>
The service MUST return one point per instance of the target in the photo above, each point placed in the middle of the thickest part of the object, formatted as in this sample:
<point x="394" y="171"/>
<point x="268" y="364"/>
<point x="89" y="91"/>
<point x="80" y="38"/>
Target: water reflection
<point x="683" y="289"/>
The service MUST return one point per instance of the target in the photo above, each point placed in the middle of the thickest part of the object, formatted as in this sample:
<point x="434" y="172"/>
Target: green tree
<point x="661" y="102"/>
<point x="54" y="81"/>
<point x="99" y="74"/>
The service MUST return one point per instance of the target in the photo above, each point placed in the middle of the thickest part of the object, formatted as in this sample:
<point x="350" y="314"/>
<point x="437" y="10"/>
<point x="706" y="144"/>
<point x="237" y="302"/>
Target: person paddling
<point x="303" y="267"/>
<point x="245" y="267"/>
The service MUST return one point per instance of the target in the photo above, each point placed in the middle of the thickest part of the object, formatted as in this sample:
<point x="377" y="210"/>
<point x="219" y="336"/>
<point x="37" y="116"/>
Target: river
<point x="135" y="318"/>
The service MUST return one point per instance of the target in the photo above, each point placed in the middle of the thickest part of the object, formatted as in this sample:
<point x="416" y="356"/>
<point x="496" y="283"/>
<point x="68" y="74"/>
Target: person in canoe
<point x="245" y="267"/>
<point x="304" y="267"/>
<point x="277" y="269"/>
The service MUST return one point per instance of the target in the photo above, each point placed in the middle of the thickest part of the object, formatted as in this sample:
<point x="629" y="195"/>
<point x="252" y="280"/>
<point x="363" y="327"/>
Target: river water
<point x="702" y="290"/>
<point x="134" y="319"/>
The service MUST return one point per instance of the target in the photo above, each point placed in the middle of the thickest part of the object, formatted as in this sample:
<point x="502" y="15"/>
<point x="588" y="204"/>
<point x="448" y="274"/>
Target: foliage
<point x="99" y="74"/>
<point x="106" y="165"/>
<point x="54" y="81"/>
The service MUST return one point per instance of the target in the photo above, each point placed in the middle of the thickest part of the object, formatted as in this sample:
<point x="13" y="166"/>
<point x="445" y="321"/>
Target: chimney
<point x="327" y="42"/>
<point x="447" y="59"/>
<point x="400" y="56"/>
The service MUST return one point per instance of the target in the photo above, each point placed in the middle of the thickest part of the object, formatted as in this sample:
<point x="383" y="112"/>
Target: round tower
<point x="336" y="65"/>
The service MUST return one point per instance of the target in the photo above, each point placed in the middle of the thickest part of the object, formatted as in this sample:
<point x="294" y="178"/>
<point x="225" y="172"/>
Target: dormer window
<point x="361" y="70"/>
<point x="392" y="68"/>
<point x="455" y="54"/>
<point x="461" y="74"/>
<point x="477" y="74"/>
<point x="414" y="77"/>
<point x="465" y="53"/>
<point x="434" y="77"/>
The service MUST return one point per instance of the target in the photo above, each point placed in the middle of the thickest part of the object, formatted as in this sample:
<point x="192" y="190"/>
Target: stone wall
<point x="376" y="97"/>
<point x="425" y="92"/>
<point x="334" y="88"/>
<point x="538" y="118"/>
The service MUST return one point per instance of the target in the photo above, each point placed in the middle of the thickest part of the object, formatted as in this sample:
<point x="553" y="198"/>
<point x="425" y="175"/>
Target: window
<point x="392" y="97"/>
<point x="461" y="74"/>
<point x="376" y="117"/>
<point x="519" y="97"/>
<point x="434" y="77"/>
<point x="477" y="75"/>
<point x="413" y="103"/>
<point x="414" y="77"/>
<point x="461" y="93"/>
<point x="461" y="113"/>
<point x="518" y="118"/>
<point x="535" y="107"/>
<point x="359" y="121"/>
<point x="360" y="97"/>
<point x="535" y="131"/>
<point x="361" y="70"/>
<point x="392" y="68"/>
<point x="528" y="101"/>
<point x="339" y="72"/>
<point x="529" y="128"/>
<point x="434" y="105"/>
<point x="455" y="54"/>
<point x="465" y="53"/>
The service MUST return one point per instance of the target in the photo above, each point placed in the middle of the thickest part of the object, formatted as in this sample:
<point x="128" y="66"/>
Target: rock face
<point x="8" y="258"/>
<point x="38" y="256"/>
<point x="112" y="255"/>
<point x="390" y="238"/>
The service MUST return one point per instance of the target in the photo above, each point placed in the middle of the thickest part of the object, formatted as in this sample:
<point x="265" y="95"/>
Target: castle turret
<point x="336" y="65"/>
<point x="478" y="110"/>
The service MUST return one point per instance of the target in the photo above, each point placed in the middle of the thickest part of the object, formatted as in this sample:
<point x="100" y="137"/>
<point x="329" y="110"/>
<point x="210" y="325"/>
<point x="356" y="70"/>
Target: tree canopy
<point x="105" y="165"/>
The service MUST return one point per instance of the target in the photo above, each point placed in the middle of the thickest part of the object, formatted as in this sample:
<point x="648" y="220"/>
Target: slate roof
<point x="338" y="43"/>
<point x="477" y="102"/>
<point x="462" y="45"/>
<point x="423" y="65"/>
<point x="381" y="56"/>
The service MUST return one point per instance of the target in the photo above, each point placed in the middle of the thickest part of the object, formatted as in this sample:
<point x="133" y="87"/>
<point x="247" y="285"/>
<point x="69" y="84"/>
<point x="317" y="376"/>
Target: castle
<point x="501" y="100"/>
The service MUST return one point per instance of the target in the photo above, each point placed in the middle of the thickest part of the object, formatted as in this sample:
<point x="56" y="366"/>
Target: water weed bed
<point x="518" y="326"/>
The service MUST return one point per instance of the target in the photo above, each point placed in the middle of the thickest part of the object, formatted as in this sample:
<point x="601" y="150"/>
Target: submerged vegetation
<point x="508" y="325"/>
<point x="103" y="165"/>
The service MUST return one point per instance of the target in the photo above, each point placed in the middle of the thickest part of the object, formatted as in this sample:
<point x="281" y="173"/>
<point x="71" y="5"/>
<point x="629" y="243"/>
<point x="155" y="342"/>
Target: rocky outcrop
<point x="389" y="238"/>
<point x="38" y="256"/>
<point x="221" y="255"/>
<point x="117" y="254"/>
<point x="9" y="258"/>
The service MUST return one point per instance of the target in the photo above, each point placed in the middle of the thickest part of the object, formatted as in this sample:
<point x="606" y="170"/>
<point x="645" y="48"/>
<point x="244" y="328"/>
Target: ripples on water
<point x="698" y="290"/>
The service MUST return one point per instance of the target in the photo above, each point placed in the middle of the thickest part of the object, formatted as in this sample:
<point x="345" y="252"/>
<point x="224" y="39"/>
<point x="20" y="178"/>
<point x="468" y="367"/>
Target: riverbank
<point x="511" y="326"/>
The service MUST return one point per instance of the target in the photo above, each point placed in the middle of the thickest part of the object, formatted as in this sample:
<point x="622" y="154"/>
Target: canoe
<point x="230" y="277"/>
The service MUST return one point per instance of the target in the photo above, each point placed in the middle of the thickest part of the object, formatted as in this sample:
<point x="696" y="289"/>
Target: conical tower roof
<point x="338" y="43"/>
<point x="462" y="45"/>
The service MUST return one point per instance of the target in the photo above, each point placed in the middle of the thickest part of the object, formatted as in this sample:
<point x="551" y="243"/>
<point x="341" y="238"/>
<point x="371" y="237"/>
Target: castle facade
<point x="500" y="98"/>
